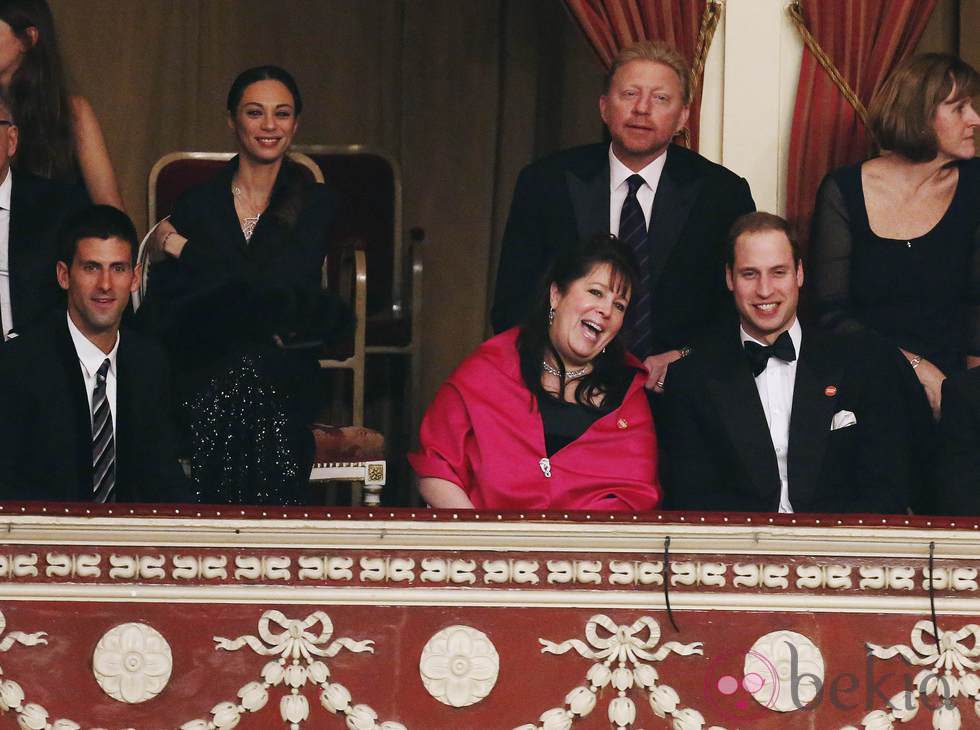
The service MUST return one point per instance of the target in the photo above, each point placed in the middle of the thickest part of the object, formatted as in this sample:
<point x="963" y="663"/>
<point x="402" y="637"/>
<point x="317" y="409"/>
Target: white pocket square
<point x="843" y="419"/>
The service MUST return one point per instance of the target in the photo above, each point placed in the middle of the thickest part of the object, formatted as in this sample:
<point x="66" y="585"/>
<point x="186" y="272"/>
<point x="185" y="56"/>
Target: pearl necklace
<point x="569" y="374"/>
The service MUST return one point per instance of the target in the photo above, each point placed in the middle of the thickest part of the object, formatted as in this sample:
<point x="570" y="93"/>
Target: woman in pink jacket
<point x="552" y="415"/>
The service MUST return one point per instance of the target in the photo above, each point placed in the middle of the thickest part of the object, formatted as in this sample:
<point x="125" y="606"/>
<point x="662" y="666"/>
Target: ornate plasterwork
<point x="619" y="651"/>
<point x="396" y="570"/>
<point x="622" y="572"/>
<point x="301" y="647"/>
<point x="760" y="575"/>
<point x="136" y="567"/>
<point x="886" y="577"/>
<point x="439" y="570"/>
<point x="79" y="565"/>
<point x="30" y="715"/>
<point x="510" y="571"/>
<point x="773" y="661"/>
<point x="586" y="572"/>
<point x="949" y="660"/>
<point x="18" y="566"/>
<point x="262" y="567"/>
<point x="950" y="579"/>
<point x="193" y="567"/>
<point x="325" y="567"/>
<point x="423" y="568"/>
<point x="698" y="574"/>
<point x="459" y="666"/>
<point x="823" y="576"/>
<point x="132" y="663"/>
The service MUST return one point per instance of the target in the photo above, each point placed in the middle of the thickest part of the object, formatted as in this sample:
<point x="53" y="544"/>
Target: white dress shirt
<point x="6" y="316"/>
<point x="90" y="359"/>
<point x="775" y="385"/>
<point x="619" y="188"/>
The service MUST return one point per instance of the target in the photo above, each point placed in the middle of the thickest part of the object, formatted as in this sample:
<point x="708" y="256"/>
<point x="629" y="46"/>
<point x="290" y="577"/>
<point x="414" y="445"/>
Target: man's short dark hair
<point x="759" y="222"/>
<point x="96" y="221"/>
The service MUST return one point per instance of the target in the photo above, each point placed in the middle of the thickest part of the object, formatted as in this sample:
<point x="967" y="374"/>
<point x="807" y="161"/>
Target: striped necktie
<point x="633" y="231"/>
<point x="103" y="444"/>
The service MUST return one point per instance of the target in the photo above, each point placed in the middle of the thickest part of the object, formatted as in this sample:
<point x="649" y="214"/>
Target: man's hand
<point x="657" y="366"/>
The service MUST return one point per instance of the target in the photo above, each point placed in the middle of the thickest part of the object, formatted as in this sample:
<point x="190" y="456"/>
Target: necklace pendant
<point x="569" y="374"/>
<point x="545" y="465"/>
<point x="908" y="244"/>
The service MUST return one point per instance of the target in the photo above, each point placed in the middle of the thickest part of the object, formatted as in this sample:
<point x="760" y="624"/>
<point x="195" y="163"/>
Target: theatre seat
<point x="351" y="453"/>
<point x="369" y="183"/>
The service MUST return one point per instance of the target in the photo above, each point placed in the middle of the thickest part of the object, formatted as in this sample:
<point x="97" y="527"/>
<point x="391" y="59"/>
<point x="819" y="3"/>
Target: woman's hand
<point x="931" y="378"/>
<point x="165" y="241"/>
<point x="443" y="494"/>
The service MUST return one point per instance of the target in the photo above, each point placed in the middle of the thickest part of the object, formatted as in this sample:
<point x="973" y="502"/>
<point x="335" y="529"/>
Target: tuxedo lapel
<point x="125" y="422"/>
<point x="813" y="410"/>
<point x="19" y="243"/>
<point x="77" y="413"/>
<point x="736" y="400"/>
<point x="676" y="193"/>
<point x="588" y="190"/>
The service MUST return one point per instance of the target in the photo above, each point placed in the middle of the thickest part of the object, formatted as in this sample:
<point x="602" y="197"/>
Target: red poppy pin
<point x="830" y="391"/>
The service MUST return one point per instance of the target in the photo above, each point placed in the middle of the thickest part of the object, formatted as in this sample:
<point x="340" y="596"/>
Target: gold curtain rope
<point x="796" y="15"/>
<point x="709" y="23"/>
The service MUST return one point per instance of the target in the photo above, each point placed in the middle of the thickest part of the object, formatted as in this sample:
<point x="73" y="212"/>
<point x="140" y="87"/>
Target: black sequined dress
<point x="246" y="404"/>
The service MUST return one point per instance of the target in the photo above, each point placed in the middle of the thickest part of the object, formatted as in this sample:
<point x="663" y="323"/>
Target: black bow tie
<point x="759" y="355"/>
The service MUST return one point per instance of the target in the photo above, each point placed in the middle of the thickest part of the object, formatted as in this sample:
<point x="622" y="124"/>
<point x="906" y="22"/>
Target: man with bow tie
<point x="767" y="415"/>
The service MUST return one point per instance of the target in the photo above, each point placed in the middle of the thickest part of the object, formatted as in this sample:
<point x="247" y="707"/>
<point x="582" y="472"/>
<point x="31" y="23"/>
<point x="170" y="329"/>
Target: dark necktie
<point x="633" y="231"/>
<point x="759" y="355"/>
<point x="103" y="444"/>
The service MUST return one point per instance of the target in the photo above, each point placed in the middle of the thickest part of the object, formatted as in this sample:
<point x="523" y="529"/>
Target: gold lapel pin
<point x="622" y="423"/>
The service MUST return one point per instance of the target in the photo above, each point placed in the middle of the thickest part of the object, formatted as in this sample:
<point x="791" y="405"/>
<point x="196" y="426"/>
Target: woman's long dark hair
<point x="287" y="198"/>
<point x="610" y="378"/>
<point x="38" y="94"/>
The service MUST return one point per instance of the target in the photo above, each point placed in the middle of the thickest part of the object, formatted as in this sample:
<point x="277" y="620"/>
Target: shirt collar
<point x="90" y="356"/>
<point x="795" y="334"/>
<point x="618" y="172"/>
<point x="5" y="187"/>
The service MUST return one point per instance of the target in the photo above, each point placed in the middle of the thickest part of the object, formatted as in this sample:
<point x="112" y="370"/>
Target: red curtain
<point x="865" y="39"/>
<point x="612" y="24"/>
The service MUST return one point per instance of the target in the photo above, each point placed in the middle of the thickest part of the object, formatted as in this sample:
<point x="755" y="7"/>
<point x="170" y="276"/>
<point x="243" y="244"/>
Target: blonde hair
<point x="900" y="116"/>
<point x="657" y="52"/>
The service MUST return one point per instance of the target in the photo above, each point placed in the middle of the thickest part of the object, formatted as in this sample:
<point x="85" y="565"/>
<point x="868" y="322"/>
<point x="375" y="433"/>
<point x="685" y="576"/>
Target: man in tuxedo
<point x="86" y="407"/>
<point x="31" y="208"/>
<point x="766" y="415"/>
<point x="672" y="205"/>
<point x="957" y="476"/>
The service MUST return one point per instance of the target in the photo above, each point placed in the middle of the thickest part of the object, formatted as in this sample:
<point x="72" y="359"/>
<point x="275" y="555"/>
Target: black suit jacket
<point x="564" y="198"/>
<point x="46" y="432"/>
<point x="718" y="452"/>
<point x="37" y="208"/>
<point x="957" y="473"/>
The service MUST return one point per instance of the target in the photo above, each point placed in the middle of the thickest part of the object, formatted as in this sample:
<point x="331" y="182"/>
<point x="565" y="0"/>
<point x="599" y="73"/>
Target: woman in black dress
<point x="895" y="246"/>
<point x="895" y="239"/>
<point x="236" y="296"/>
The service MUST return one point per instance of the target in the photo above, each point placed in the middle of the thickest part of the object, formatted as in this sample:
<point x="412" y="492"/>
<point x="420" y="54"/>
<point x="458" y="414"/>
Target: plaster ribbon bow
<point x="295" y="640"/>
<point x="946" y="653"/>
<point x="621" y="643"/>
